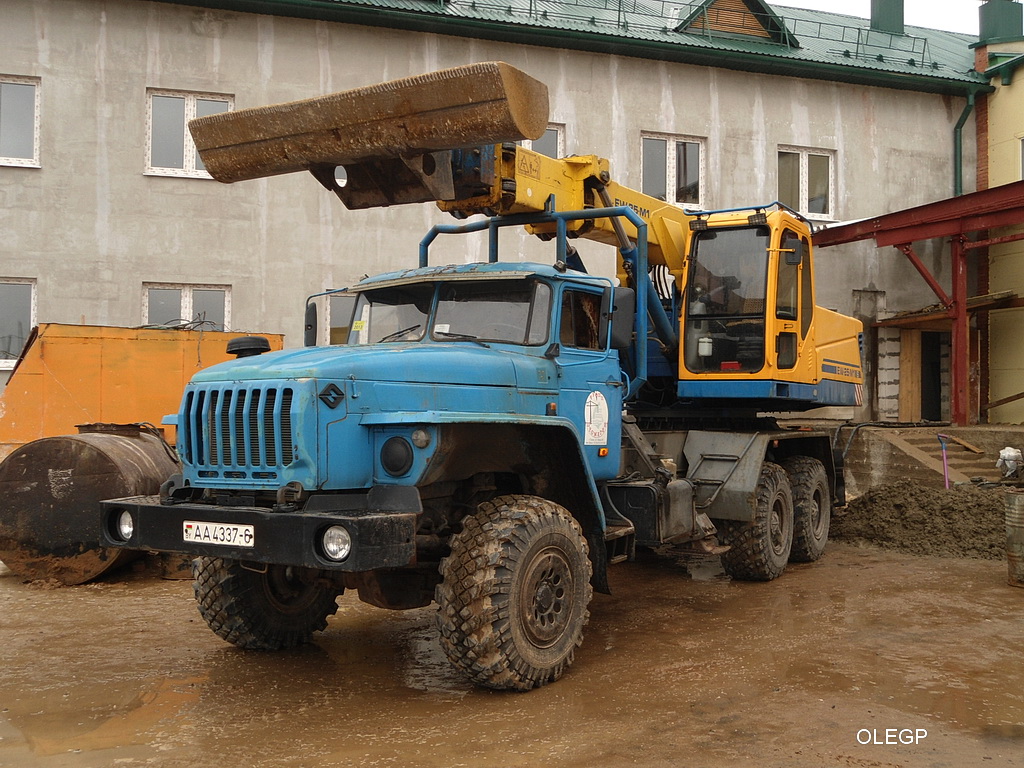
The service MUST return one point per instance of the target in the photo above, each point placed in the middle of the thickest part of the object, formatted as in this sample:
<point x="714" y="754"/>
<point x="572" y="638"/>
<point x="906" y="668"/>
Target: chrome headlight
<point x="125" y="525"/>
<point x="337" y="543"/>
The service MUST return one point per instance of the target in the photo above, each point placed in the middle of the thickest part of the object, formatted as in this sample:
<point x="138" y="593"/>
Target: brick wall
<point x="888" y="374"/>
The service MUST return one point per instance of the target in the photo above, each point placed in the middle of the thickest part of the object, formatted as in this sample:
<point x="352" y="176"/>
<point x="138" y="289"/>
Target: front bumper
<point x="381" y="522"/>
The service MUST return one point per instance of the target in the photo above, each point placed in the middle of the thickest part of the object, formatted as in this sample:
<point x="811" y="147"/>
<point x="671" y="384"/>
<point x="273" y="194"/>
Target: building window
<point x="17" y="317"/>
<point x="673" y="168"/>
<point x="552" y="143"/>
<point x="19" y="121"/>
<point x="807" y="181"/>
<point x="173" y="305"/>
<point x="170" y="151"/>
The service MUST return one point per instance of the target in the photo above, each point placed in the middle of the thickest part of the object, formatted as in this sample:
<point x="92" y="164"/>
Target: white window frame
<point x="189" y="150"/>
<point x="559" y="130"/>
<point x="25" y="162"/>
<point x="7" y="364"/>
<point x="186" y="299"/>
<point x="805" y="153"/>
<point x="671" y="140"/>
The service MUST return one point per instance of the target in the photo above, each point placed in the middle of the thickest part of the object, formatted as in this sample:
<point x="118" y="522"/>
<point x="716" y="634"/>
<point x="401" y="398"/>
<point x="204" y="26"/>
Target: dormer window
<point x="737" y="18"/>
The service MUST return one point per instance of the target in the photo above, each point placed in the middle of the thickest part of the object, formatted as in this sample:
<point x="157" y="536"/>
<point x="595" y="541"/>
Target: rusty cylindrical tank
<point x="50" y="491"/>
<point x="1015" y="539"/>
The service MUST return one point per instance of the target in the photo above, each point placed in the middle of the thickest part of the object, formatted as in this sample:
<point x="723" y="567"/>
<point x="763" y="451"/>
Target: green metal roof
<point x="813" y="44"/>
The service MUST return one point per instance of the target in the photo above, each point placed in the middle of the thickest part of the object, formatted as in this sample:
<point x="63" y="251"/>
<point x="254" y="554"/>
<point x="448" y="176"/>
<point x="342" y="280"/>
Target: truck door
<point x="590" y="379"/>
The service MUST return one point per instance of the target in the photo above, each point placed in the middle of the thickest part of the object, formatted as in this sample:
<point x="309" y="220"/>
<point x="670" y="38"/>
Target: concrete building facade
<point x="108" y="217"/>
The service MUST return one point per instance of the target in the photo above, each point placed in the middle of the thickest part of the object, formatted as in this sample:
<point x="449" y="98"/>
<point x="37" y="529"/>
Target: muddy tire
<point x="759" y="550"/>
<point x="515" y="592"/>
<point x="812" y="507"/>
<point x="260" y="611"/>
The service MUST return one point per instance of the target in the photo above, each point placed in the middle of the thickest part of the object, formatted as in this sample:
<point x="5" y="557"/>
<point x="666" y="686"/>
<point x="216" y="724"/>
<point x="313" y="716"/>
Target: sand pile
<point x="964" y="521"/>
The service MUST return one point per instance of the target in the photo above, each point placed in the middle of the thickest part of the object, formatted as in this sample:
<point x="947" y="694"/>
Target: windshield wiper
<point x="461" y="337"/>
<point x="396" y="334"/>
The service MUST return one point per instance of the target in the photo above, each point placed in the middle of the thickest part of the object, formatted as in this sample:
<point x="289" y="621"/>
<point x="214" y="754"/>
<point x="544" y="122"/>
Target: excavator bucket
<point x="393" y="139"/>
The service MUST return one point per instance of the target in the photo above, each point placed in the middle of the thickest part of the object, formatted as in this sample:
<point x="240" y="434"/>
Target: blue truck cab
<point x="447" y="377"/>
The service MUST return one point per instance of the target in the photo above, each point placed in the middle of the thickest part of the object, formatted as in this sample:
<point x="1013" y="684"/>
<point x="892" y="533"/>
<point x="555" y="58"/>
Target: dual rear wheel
<point x="792" y="510"/>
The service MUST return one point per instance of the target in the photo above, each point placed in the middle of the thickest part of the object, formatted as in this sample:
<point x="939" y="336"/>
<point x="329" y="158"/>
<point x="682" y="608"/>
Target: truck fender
<point x="548" y="459"/>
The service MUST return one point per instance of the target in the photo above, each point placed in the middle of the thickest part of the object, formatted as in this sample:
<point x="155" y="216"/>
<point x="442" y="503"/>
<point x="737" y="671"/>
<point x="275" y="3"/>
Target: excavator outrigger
<point x="492" y="436"/>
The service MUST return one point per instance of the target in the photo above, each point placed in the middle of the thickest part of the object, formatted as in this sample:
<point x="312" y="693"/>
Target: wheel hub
<point x="544" y="601"/>
<point x="777" y="531"/>
<point x="285" y="590"/>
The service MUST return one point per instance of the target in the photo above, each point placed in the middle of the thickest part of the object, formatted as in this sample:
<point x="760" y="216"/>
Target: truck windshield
<point x="391" y="314"/>
<point x="725" y="302"/>
<point x="512" y="311"/>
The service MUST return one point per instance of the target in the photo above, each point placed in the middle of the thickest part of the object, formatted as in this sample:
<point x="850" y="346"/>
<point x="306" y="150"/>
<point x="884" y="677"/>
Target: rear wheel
<point x="267" y="610"/>
<point x="812" y="507"/>
<point x="759" y="549"/>
<point x="515" y="593"/>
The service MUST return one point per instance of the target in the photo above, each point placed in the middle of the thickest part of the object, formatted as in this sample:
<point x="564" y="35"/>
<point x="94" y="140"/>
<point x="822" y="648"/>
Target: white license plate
<point x="225" y="534"/>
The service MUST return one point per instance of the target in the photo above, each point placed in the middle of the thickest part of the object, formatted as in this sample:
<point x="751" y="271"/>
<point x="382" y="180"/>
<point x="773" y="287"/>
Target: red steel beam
<point x="993" y="241"/>
<point x="908" y="251"/>
<point x="956" y="215"/>
<point x="960" y="337"/>
<point x="951" y="228"/>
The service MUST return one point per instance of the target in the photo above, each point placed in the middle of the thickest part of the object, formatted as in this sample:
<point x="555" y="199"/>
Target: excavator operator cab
<point x="749" y="300"/>
<point x="725" y="323"/>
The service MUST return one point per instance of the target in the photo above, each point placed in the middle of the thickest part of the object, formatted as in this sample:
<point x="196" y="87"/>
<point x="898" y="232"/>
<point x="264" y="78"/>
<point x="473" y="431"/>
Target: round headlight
<point x="337" y="543"/>
<point x="125" y="525"/>
<point x="396" y="456"/>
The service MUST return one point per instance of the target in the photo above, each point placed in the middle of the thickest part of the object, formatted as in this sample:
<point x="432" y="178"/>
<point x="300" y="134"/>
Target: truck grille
<point x="249" y="428"/>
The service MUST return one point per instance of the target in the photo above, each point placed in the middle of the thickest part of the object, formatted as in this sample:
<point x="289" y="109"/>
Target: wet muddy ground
<point x="865" y="645"/>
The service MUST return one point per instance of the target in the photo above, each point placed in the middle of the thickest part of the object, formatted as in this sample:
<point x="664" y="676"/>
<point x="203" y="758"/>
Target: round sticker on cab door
<point x="595" y="420"/>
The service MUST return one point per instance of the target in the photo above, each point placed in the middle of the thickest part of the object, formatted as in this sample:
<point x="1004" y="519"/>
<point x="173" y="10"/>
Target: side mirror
<point x="310" y="332"/>
<point x="793" y="258"/>
<point x="623" y="317"/>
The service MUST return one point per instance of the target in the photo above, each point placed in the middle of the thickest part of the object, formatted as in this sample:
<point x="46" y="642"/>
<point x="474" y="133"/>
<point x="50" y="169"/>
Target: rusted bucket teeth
<point x="402" y="120"/>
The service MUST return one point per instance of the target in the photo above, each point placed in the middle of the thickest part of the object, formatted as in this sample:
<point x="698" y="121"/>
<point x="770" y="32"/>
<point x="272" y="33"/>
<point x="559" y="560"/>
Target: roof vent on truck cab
<point x="248" y="346"/>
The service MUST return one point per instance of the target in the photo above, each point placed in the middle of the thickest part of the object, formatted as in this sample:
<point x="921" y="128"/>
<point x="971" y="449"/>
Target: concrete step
<point x="894" y="454"/>
<point x="958" y="457"/>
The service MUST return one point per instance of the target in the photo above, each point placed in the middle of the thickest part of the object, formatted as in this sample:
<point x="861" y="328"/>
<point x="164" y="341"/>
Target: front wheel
<point x="515" y="592"/>
<point x="264" y="608"/>
<point x="759" y="549"/>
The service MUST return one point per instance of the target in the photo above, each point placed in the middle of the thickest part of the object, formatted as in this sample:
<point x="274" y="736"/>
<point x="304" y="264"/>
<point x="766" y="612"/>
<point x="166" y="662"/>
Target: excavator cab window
<point x="726" y="300"/>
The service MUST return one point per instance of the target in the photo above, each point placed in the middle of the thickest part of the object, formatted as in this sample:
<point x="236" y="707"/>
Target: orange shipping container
<point x="80" y="374"/>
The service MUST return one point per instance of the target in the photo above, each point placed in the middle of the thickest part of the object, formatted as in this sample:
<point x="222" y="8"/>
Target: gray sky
<point x="952" y="15"/>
